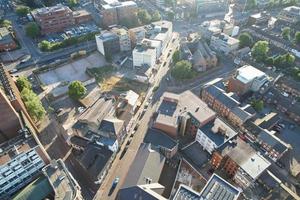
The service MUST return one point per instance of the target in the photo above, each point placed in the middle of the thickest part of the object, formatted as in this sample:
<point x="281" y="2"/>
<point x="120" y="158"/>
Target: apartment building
<point x="247" y="78"/>
<point x="53" y="19"/>
<point x="240" y="161"/>
<point x="118" y="12"/>
<point x="224" y="43"/>
<point x="182" y="114"/>
<point x="226" y="104"/>
<point x="108" y="43"/>
<point x="124" y="38"/>
<point x="7" y="42"/>
<point x="81" y="16"/>
<point x="21" y="161"/>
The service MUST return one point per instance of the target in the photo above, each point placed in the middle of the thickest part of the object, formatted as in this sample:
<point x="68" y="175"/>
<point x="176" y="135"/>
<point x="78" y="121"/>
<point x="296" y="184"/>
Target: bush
<point x="76" y="90"/>
<point x="246" y="40"/>
<point x="258" y="105"/>
<point x="22" y="10"/>
<point x="22" y="82"/>
<point x="32" y="30"/>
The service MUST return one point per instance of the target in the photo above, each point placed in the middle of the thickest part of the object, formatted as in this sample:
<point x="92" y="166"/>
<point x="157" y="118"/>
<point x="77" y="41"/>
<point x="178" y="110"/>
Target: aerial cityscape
<point x="149" y="99"/>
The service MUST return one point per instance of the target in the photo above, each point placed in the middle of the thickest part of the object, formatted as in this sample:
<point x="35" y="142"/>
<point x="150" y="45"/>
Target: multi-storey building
<point x="53" y="19"/>
<point x="247" y="78"/>
<point x="136" y="35"/>
<point x="118" y="12"/>
<point x="81" y="16"/>
<point x="21" y="161"/>
<point x="226" y="104"/>
<point x="240" y="161"/>
<point x="108" y="43"/>
<point x="122" y="33"/>
<point x="181" y="114"/>
<point x="224" y="43"/>
<point x="144" y="54"/>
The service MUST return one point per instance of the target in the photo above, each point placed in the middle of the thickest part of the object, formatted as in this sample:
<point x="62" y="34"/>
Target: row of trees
<point x="145" y="18"/>
<point x="31" y="100"/>
<point x="286" y="34"/>
<point x="260" y="53"/>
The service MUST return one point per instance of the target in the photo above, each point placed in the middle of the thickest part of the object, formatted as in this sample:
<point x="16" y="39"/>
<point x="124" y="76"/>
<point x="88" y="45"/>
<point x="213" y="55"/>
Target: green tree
<point x="22" y="82"/>
<point x="182" y="70"/>
<point x="72" y="3"/>
<point x="22" y="10"/>
<point x="246" y="40"/>
<point x="258" y="105"/>
<point x="176" y="56"/>
<point x="76" y="90"/>
<point x="289" y="59"/>
<point x="297" y="37"/>
<point x="260" y="50"/>
<point x="143" y="16"/>
<point x="33" y="104"/>
<point x="156" y="16"/>
<point x="32" y="30"/>
<point x="45" y="45"/>
<point x="269" y="61"/>
<point x="286" y="33"/>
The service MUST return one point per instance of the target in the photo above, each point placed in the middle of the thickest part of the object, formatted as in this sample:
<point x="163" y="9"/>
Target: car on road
<point x="13" y="71"/>
<point x="115" y="182"/>
<point x="128" y="141"/>
<point x="136" y="127"/>
<point x="123" y="152"/>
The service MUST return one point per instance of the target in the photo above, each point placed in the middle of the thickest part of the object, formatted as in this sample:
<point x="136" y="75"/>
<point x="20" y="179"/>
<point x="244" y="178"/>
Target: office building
<point x="108" y="43"/>
<point x="247" y="78"/>
<point x="53" y="19"/>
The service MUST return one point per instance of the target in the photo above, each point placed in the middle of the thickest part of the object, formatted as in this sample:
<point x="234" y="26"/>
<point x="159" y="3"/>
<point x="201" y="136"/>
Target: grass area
<point x="100" y="73"/>
<point x="118" y="84"/>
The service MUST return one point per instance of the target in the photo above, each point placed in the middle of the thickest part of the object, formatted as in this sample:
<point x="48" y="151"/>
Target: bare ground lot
<point x="56" y="80"/>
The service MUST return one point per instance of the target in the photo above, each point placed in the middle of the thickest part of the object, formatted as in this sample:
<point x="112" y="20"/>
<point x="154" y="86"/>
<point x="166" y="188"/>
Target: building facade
<point x="108" y="43"/>
<point x="7" y="42"/>
<point x="122" y="33"/>
<point x="224" y="43"/>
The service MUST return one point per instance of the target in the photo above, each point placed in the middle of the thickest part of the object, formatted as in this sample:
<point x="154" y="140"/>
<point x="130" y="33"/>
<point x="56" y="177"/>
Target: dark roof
<point x="138" y="192"/>
<point x="186" y="193"/>
<point x="167" y="108"/>
<point x="271" y="140"/>
<point x="159" y="138"/>
<point x="195" y="154"/>
<point x="148" y="163"/>
<point x="242" y="114"/>
<point x="221" y="96"/>
<point x="111" y="125"/>
<point x="219" y="189"/>
<point x="79" y="141"/>
<point x="94" y="159"/>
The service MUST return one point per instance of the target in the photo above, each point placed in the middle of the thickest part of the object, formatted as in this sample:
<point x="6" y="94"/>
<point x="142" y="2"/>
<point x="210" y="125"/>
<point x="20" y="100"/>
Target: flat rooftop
<point x="186" y="193"/>
<point x="159" y="138"/>
<point x="218" y="131"/>
<point x="174" y="105"/>
<point x="219" y="189"/>
<point x="62" y="182"/>
<point x="248" y="73"/>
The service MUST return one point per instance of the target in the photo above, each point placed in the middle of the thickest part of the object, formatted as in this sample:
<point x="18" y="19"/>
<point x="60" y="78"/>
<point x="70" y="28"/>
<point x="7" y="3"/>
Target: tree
<point x="45" y="45"/>
<point x="176" y="56"/>
<point x="269" y="61"/>
<point x="32" y="30"/>
<point x="76" y="90"/>
<point x="72" y="3"/>
<point x="246" y="40"/>
<point x="182" y="70"/>
<point x="297" y="37"/>
<point x="33" y="104"/>
<point x="143" y="16"/>
<point x="5" y="23"/>
<point x="156" y="16"/>
<point x="258" y="105"/>
<point x="286" y="33"/>
<point x="260" y="50"/>
<point x="22" y="82"/>
<point x="289" y="59"/>
<point x="22" y="10"/>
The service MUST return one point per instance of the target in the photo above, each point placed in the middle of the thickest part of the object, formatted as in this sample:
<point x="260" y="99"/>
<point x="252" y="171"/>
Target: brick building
<point x="81" y="16"/>
<point x="7" y="42"/>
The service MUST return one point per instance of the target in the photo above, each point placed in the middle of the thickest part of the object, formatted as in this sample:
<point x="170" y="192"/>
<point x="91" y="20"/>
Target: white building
<point x="144" y="55"/>
<point x="224" y="43"/>
<point x="124" y="39"/>
<point x="214" y="135"/>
